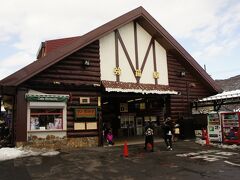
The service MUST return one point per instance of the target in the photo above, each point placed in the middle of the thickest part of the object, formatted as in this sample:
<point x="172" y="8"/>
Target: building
<point x="122" y="74"/>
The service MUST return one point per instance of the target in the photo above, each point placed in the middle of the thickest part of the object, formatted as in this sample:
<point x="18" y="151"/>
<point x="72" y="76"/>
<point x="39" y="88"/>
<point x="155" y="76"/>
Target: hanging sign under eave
<point x="46" y="98"/>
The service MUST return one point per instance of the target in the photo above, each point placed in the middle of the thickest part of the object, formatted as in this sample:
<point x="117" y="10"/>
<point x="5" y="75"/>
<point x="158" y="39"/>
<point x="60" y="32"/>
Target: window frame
<point x="47" y="105"/>
<point x="47" y="114"/>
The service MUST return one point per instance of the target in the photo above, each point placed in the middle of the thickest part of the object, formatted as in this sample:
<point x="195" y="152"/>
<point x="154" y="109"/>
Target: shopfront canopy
<point x="46" y="97"/>
<point x="112" y="86"/>
<point x="224" y="98"/>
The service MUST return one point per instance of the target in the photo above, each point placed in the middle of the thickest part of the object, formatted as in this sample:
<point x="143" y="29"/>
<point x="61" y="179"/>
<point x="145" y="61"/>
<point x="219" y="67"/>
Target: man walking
<point x="167" y="133"/>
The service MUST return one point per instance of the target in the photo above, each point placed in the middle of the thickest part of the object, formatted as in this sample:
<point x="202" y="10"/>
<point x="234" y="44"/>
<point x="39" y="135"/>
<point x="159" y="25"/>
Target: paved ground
<point x="187" y="161"/>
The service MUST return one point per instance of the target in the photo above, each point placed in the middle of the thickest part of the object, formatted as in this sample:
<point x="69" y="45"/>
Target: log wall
<point x="189" y="87"/>
<point x="70" y="76"/>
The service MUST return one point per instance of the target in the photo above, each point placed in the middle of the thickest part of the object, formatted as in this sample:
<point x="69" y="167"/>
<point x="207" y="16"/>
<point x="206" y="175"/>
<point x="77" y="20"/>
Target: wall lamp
<point x="192" y="85"/>
<point x="86" y="63"/>
<point x="182" y="74"/>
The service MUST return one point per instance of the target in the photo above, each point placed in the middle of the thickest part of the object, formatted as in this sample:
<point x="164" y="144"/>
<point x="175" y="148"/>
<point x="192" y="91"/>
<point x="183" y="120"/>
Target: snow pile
<point x="200" y="141"/>
<point x="226" y="146"/>
<point x="223" y="146"/>
<point x="50" y="153"/>
<point x="12" y="153"/>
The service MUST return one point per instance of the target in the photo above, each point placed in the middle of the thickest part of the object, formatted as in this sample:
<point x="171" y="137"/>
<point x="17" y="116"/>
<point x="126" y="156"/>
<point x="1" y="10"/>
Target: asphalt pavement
<point x="187" y="160"/>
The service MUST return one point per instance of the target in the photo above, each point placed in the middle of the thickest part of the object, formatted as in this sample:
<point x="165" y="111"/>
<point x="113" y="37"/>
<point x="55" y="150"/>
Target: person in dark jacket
<point x="149" y="131"/>
<point x="168" y="132"/>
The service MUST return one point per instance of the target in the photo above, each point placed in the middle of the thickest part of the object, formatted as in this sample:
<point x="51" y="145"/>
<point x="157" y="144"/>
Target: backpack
<point x="149" y="132"/>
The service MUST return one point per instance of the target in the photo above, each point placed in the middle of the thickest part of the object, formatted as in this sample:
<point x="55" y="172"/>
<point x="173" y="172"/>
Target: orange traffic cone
<point x="125" y="149"/>
<point x="207" y="139"/>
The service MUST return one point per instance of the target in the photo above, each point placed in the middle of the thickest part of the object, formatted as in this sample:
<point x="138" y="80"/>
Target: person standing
<point x="168" y="133"/>
<point x="110" y="138"/>
<point x="149" y="131"/>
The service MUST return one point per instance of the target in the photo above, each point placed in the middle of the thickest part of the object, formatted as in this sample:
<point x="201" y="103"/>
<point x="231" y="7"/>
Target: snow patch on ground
<point x="200" y="141"/>
<point x="12" y="153"/>
<point x="223" y="146"/>
<point x="51" y="153"/>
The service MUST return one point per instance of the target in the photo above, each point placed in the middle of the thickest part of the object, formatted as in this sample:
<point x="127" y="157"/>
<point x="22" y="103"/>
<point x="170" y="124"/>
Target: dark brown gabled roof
<point x="141" y="16"/>
<point x="50" y="45"/>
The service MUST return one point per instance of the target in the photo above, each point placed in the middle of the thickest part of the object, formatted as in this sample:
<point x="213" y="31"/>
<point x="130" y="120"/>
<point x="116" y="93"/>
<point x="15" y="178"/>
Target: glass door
<point x="139" y="126"/>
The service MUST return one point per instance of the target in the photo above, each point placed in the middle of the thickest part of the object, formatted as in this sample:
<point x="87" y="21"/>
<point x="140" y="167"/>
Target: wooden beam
<point x="126" y="52"/>
<point x="116" y="54"/>
<point x="136" y="48"/>
<point x="146" y="55"/>
<point x="154" y="60"/>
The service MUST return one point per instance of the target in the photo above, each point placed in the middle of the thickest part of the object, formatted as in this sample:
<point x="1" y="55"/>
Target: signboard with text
<point x="46" y="98"/>
<point x="86" y="112"/>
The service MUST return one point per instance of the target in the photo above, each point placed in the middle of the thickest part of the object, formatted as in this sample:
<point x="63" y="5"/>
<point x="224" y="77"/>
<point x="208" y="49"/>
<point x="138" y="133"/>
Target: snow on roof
<point x="112" y="86"/>
<point x="223" y="95"/>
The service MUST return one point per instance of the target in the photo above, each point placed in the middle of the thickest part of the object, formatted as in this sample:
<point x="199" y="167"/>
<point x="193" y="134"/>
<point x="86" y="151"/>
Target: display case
<point x="230" y="127"/>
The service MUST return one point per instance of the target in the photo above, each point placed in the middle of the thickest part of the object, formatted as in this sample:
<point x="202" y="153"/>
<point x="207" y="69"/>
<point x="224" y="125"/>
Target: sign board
<point x="79" y="126"/>
<point x="84" y="100"/>
<point x="198" y="133"/>
<point x="86" y="112"/>
<point x="91" y="125"/>
<point x="142" y="106"/>
<point x="123" y="107"/>
<point x="46" y="98"/>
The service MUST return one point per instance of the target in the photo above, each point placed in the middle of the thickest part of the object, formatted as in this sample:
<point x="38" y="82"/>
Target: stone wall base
<point x="64" y="143"/>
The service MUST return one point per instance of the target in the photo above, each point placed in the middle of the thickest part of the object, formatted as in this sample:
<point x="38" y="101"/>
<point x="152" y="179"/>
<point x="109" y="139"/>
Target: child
<point x="149" y="131"/>
<point x="110" y="138"/>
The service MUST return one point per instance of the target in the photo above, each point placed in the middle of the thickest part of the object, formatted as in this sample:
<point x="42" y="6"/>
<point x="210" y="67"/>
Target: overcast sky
<point x="208" y="29"/>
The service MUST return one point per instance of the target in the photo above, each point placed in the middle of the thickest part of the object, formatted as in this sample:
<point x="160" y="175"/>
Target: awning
<point x="126" y="87"/>
<point x="216" y="101"/>
<point x="46" y="97"/>
<point x="223" y="95"/>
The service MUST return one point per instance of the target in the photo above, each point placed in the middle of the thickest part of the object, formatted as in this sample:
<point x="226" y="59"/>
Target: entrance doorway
<point x="126" y="114"/>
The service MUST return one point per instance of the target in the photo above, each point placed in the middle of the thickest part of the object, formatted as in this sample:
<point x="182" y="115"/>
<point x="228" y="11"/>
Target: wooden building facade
<point x="126" y="72"/>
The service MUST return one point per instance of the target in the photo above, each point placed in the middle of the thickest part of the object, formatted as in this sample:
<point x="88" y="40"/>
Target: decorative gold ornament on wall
<point x="138" y="73"/>
<point x="117" y="71"/>
<point x="155" y="75"/>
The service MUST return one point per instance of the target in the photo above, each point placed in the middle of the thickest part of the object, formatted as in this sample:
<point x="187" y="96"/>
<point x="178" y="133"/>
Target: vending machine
<point x="230" y="127"/>
<point x="214" y="127"/>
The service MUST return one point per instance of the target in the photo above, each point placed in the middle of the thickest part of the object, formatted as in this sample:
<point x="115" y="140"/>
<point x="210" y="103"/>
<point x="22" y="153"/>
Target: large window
<point x="46" y="119"/>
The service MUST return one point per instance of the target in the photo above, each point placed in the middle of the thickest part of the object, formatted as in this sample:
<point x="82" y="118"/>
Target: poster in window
<point x="58" y="123"/>
<point x="34" y="123"/>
